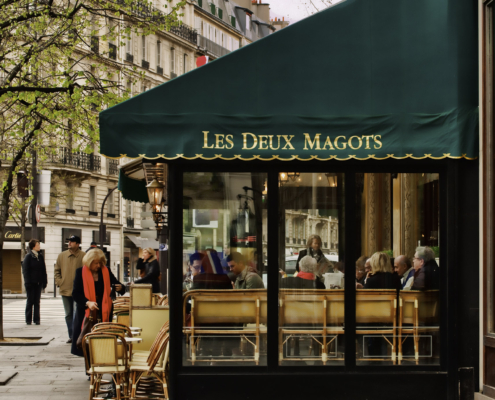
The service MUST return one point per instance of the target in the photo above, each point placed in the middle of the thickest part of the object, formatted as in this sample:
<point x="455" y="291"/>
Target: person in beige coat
<point x="65" y="271"/>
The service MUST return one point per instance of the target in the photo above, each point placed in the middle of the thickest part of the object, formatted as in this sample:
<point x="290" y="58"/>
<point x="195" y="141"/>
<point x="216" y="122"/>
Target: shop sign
<point x="13" y="234"/>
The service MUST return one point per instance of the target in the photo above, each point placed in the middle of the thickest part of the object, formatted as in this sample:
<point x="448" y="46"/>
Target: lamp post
<point x="155" y="195"/>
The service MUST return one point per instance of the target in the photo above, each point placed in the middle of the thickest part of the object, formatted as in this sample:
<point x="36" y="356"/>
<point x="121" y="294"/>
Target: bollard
<point x="54" y="283"/>
<point x="466" y="383"/>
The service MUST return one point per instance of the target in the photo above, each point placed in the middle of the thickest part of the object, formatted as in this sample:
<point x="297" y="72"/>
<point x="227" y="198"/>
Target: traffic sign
<point x="38" y="213"/>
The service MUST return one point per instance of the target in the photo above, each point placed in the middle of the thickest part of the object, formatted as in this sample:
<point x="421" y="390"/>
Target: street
<point x="43" y="372"/>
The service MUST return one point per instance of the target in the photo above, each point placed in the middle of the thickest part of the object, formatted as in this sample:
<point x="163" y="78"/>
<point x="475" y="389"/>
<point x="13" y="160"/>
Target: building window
<point x="143" y="46"/>
<point x="130" y="209"/>
<point x="92" y="198"/>
<point x="158" y="54"/>
<point x="128" y="44"/>
<point x="129" y="87"/>
<point x="110" y="208"/>
<point x="144" y="88"/>
<point x="70" y="196"/>
<point x="185" y="63"/>
<point x="172" y="60"/>
<point x="248" y="22"/>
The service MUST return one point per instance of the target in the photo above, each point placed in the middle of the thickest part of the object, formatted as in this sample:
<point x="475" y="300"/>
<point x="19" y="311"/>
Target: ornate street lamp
<point x="155" y="196"/>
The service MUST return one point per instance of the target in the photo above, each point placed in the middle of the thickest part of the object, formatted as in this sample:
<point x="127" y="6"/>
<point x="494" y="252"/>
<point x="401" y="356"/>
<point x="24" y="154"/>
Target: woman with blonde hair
<point x="92" y="287"/>
<point x="149" y="264"/>
<point x="381" y="275"/>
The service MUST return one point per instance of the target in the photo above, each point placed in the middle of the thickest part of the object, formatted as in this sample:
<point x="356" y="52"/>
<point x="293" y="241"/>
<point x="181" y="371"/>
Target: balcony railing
<point x="185" y="32"/>
<point x="112" y="51"/>
<point x="159" y="70"/>
<point x="145" y="64"/>
<point x="130" y="222"/>
<point x="212" y="47"/>
<point x="144" y="10"/>
<point x="129" y="57"/>
<point x="113" y="167"/>
<point x="88" y="162"/>
<point x="173" y="75"/>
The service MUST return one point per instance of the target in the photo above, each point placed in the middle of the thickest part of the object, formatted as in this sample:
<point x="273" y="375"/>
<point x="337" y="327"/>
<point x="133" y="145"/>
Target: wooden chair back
<point x="103" y="349"/>
<point x="141" y="295"/>
<point x="246" y="306"/>
<point x="310" y="306"/>
<point x="428" y="308"/>
<point x="376" y="306"/>
<point x="408" y="302"/>
<point x="123" y="318"/>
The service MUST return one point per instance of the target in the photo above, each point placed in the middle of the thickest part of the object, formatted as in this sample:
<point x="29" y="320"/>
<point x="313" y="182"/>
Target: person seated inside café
<point x="405" y="271"/>
<point x="381" y="275"/>
<point x="313" y="249"/>
<point x="427" y="273"/>
<point x="360" y="271"/>
<point x="213" y="275"/>
<point x="195" y="261"/>
<point x="245" y="278"/>
<point x="305" y="279"/>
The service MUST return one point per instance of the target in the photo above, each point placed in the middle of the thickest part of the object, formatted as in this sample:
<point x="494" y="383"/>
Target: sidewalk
<point x="43" y="372"/>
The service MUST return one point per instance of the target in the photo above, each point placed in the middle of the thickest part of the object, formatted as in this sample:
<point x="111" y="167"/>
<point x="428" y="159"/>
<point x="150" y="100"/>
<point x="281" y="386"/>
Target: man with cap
<point x="92" y="246"/>
<point x="65" y="271"/>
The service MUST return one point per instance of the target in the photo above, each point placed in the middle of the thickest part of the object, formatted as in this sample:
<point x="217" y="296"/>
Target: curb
<point x="23" y="296"/>
<point x="5" y="377"/>
<point x="43" y="341"/>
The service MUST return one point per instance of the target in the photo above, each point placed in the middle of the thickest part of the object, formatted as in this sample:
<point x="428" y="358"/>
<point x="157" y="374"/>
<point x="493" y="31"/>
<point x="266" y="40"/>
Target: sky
<point x="295" y="10"/>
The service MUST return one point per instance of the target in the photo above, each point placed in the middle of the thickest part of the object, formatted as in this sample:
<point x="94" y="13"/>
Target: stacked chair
<point x="107" y="352"/>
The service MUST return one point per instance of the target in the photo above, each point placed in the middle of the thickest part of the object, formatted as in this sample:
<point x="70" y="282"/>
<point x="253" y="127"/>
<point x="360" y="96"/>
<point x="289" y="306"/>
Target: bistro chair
<point x="141" y="295"/>
<point x="418" y="313"/>
<point x="163" y="301"/>
<point x="155" y="366"/>
<point x="104" y="358"/>
<point x="376" y="312"/>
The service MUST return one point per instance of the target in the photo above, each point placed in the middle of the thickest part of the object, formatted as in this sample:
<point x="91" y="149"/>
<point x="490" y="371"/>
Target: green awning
<point x="132" y="189"/>
<point x="363" y="79"/>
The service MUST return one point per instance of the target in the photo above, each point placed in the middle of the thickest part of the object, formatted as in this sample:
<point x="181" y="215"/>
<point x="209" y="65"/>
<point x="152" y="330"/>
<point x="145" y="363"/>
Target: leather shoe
<point x="69" y="341"/>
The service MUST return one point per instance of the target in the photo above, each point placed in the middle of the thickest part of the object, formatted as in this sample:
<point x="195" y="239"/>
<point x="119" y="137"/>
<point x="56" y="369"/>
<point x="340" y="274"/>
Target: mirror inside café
<point x="398" y="272"/>
<point x="311" y="285"/>
<point x="224" y="253"/>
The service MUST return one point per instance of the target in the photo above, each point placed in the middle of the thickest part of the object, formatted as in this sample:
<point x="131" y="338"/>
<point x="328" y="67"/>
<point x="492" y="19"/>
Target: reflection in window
<point x="225" y="276"/>
<point x="311" y="296"/>
<point x="398" y="274"/>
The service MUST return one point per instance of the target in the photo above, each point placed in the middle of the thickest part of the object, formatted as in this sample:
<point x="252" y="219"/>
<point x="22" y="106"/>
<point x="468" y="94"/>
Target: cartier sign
<point x="13" y="234"/>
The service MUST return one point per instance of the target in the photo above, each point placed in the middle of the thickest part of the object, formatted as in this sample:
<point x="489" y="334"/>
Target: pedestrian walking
<point x="92" y="246"/>
<point x="35" y="280"/>
<point x="65" y="271"/>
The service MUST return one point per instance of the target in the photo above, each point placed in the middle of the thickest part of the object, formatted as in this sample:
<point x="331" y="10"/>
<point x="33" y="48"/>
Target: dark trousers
<point x="33" y="293"/>
<point x="69" y="313"/>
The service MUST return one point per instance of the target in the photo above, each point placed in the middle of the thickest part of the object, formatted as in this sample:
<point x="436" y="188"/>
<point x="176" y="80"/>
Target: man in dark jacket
<point x="35" y="280"/>
<point x="427" y="275"/>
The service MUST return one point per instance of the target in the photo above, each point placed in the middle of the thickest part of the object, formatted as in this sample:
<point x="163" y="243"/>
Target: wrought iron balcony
<point x="144" y="10"/>
<point x="145" y="64"/>
<point x="88" y="162"/>
<point x="130" y="222"/>
<point x="113" y="167"/>
<point x="129" y="57"/>
<point x="212" y="47"/>
<point x="185" y="32"/>
<point x="112" y="51"/>
<point x="159" y="70"/>
<point x="173" y="75"/>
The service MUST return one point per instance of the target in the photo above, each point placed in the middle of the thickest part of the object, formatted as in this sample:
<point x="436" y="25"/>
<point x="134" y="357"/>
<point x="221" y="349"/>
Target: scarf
<point x="90" y="293"/>
<point x="306" y="275"/>
<point x="35" y="253"/>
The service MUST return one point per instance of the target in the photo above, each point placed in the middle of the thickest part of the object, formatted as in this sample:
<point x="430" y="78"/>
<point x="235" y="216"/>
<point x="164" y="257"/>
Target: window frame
<point x="350" y="168"/>
<point x="92" y="198"/>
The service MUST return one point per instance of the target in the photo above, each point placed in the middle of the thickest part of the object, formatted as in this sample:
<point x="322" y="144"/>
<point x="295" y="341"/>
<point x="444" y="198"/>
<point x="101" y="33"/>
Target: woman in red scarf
<point x="92" y="287"/>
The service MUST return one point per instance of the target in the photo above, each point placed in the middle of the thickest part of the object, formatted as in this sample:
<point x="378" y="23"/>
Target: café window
<point x="224" y="251"/>
<point x="311" y="319"/>
<point x="398" y="273"/>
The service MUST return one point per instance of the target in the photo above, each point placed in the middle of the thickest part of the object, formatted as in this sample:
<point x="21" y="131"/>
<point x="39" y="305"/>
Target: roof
<point x="381" y="79"/>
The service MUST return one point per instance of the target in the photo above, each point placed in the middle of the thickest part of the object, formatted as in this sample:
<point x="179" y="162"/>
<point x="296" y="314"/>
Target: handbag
<point x="87" y="326"/>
